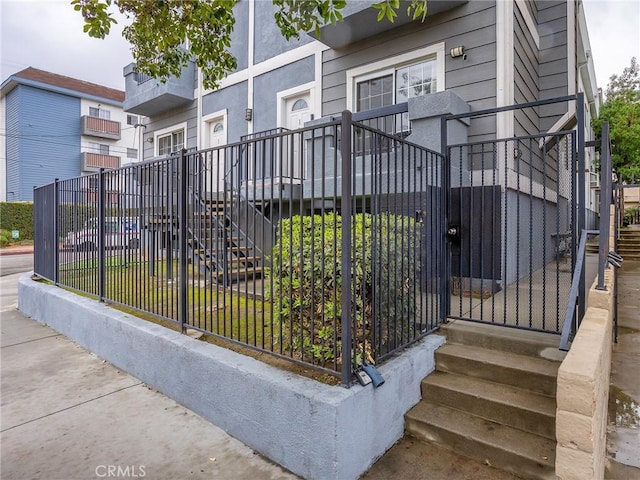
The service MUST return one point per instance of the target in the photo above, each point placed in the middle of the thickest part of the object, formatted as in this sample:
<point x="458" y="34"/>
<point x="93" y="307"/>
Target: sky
<point x="47" y="34"/>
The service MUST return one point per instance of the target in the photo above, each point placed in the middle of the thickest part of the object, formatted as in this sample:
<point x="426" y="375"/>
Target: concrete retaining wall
<point x="315" y="430"/>
<point x="583" y="392"/>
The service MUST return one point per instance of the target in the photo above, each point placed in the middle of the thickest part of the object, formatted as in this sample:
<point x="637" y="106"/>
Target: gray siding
<point x="268" y="40"/>
<point x="267" y="86"/>
<point x="553" y="70"/>
<point x="172" y="117"/>
<point x="471" y="25"/>
<point x="526" y="61"/>
<point x="234" y="99"/>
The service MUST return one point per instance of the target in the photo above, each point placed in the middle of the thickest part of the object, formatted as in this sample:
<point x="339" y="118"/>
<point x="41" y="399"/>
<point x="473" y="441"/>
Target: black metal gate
<point x="515" y="211"/>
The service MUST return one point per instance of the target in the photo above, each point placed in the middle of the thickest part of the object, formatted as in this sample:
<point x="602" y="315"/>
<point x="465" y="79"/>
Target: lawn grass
<point x="227" y="317"/>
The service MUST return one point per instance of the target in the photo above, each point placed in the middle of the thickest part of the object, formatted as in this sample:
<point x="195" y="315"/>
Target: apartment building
<point x="60" y="127"/>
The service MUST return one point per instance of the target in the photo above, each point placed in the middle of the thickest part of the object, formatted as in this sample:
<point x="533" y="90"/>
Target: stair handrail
<point x="570" y="318"/>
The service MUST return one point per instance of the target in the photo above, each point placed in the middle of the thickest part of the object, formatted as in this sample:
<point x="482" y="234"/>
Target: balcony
<point x="360" y="22"/>
<point x="99" y="127"/>
<point x="149" y="97"/>
<point x="93" y="162"/>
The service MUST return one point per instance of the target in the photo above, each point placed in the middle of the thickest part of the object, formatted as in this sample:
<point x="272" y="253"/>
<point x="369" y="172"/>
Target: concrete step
<point x="522" y="371"/>
<point x="502" y="404"/>
<point x="513" y="450"/>
<point x="522" y="342"/>
<point x="630" y="256"/>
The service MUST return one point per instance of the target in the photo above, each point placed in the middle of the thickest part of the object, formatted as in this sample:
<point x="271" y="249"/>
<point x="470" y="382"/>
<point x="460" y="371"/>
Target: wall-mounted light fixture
<point x="458" y="52"/>
<point x="150" y="140"/>
<point x="248" y="114"/>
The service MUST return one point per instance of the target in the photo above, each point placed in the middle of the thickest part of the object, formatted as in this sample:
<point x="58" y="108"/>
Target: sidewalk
<point x="623" y="440"/>
<point x="68" y="415"/>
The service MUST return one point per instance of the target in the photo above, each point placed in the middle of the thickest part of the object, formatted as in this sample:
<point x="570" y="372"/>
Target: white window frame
<point x="389" y="65"/>
<point x="284" y="95"/>
<point x="103" y="113"/>
<point x="132" y="118"/>
<point x="163" y="133"/>
<point x="216" y="117"/>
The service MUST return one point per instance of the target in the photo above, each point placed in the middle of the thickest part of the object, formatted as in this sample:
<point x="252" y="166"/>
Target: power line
<point x="114" y="148"/>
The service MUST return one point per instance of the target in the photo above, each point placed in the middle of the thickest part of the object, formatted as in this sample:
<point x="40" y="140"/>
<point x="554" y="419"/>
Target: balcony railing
<point x="99" y="127"/>
<point x="93" y="162"/>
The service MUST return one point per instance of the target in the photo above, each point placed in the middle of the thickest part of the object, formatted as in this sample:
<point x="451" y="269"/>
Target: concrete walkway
<point x="624" y="396"/>
<point x="66" y="414"/>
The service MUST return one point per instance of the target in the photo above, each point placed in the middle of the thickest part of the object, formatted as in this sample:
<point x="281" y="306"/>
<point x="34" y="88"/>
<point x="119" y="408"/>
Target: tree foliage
<point x="160" y="30"/>
<point x="622" y="110"/>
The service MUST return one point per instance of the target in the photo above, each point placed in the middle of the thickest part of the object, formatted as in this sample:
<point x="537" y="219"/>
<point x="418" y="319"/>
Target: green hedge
<point x="306" y="292"/>
<point x="17" y="216"/>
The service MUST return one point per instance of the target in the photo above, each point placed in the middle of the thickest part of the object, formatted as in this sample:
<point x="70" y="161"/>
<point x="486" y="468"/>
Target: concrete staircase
<point x="492" y="398"/>
<point x="629" y="242"/>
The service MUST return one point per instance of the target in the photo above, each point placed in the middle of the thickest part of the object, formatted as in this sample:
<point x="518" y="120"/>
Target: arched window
<point x="300" y="104"/>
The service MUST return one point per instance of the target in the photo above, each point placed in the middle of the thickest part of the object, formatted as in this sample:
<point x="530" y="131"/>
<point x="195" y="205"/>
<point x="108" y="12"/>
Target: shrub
<point x="17" y="216"/>
<point x="5" y="237"/>
<point x="306" y="295"/>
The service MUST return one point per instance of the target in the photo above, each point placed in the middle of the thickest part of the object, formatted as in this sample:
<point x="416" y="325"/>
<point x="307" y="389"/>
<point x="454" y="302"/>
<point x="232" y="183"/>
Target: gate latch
<point x="453" y="232"/>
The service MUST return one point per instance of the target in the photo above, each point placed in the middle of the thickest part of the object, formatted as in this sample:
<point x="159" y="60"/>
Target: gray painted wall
<point x="268" y="40"/>
<point x="234" y="99"/>
<point x="266" y="87"/>
<point x="473" y="79"/>
<point x="240" y="35"/>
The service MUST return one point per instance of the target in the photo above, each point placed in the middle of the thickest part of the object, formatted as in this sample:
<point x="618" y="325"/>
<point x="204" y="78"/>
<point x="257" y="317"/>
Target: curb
<point x="15" y="251"/>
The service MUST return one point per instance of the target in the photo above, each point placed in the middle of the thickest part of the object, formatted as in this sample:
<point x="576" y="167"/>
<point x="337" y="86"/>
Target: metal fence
<point x="516" y="209"/>
<point x="319" y="245"/>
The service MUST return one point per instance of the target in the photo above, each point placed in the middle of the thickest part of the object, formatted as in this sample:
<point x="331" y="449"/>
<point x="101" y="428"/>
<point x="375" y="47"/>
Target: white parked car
<point x="120" y="232"/>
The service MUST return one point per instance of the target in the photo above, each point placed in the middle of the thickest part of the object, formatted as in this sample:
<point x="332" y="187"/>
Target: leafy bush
<point x="17" y="216"/>
<point x="5" y="237"/>
<point x="306" y="293"/>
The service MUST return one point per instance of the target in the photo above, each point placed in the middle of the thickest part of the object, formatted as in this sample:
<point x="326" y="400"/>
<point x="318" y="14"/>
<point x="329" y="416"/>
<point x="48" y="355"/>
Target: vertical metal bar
<point x="616" y="218"/>
<point x="345" y="150"/>
<point x="581" y="195"/>
<point x="182" y="239"/>
<point x="101" y="235"/>
<point x="445" y="297"/>
<point x="605" y="202"/>
<point x="56" y="248"/>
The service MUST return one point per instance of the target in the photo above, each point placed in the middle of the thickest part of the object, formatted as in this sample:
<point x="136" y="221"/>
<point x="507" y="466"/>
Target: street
<point x="10" y="264"/>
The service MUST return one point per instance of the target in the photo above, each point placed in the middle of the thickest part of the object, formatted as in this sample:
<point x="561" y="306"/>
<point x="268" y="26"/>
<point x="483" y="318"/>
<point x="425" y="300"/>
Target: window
<point x="300" y="104"/>
<point x="171" y="142"/>
<point x="396" y="79"/>
<point x="132" y="153"/>
<point x="99" y="148"/>
<point x="99" y="113"/>
<point x="132" y="119"/>
<point x="395" y="85"/>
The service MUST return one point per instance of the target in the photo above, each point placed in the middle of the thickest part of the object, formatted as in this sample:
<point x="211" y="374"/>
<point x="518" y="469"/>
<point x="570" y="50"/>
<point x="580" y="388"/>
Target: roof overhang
<point x="360" y="21"/>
